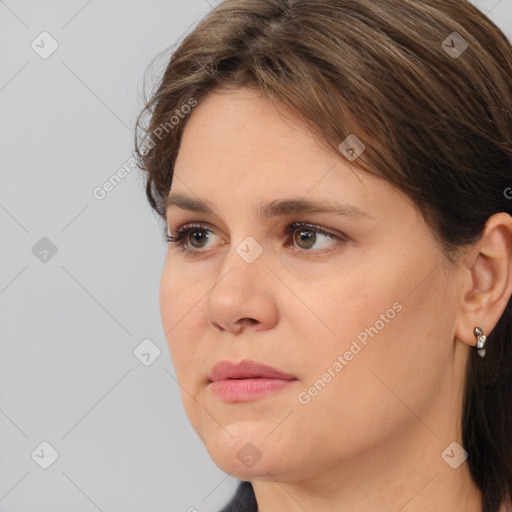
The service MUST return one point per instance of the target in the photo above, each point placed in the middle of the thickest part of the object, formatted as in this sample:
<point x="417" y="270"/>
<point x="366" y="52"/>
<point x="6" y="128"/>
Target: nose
<point x="243" y="296"/>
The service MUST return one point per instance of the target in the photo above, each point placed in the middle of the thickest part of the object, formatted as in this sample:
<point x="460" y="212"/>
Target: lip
<point x="246" y="369"/>
<point x="246" y="380"/>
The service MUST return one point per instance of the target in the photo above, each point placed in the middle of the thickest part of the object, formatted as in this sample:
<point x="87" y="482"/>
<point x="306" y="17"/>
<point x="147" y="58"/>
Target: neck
<point x="406" y="474"/>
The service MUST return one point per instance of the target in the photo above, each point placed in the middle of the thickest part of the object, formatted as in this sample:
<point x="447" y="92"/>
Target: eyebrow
<point x="276" y="208"/>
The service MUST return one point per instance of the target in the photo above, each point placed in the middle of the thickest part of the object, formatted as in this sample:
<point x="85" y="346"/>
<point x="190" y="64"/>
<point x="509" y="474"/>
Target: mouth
<point x="247" y="380"/>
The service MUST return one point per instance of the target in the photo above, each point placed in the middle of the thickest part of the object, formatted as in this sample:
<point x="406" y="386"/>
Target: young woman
<point x="335" y="179"/>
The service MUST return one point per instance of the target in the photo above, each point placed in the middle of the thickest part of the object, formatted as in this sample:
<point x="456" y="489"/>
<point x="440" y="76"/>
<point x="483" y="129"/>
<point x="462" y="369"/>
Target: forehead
<point x="239" y="137"/>
<point x="239" y="151"/>
<point x="242" y="122"/>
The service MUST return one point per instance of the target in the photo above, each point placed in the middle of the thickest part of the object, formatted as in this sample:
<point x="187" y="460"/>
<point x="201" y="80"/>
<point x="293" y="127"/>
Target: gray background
<point x="71" y="319"/>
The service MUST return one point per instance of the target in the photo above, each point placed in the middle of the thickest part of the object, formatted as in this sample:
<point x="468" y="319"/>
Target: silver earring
<point x="480" y="341"/>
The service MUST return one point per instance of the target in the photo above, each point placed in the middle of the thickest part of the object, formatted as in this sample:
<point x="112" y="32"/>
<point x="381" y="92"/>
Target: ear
<point x="486" y="279"/>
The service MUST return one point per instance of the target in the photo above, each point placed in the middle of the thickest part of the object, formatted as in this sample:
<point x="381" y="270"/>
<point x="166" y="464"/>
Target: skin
<point x="372" y="438"/>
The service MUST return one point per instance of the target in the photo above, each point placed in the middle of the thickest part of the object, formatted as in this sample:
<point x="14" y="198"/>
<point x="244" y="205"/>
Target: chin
<point x="257" y="469"/>
<point x="246" y="454"/>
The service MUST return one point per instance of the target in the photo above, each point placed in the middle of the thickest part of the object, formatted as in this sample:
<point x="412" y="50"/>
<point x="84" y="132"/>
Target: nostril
<point x="250" y="321"/>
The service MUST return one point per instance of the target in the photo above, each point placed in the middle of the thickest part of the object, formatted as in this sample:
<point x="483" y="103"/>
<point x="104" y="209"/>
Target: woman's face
<point x="357" y="312"/>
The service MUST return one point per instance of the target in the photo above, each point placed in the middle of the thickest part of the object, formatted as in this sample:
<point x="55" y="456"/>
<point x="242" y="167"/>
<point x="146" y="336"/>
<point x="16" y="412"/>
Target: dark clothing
<point x="243" y="501"/>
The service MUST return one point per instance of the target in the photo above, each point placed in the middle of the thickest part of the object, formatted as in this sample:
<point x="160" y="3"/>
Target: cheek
<point x="179" y="299"/>
<point x="181" y="306"/>
<point x="393" y="336"/>
<point x="334" y="312"/>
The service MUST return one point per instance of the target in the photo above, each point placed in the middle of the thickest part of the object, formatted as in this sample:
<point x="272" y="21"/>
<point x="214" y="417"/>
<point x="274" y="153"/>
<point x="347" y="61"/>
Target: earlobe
<point x="488" y="282"/>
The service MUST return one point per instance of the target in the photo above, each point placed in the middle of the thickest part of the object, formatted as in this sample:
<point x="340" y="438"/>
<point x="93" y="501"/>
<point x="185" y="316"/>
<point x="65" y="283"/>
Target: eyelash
<point x="182" y="232"/>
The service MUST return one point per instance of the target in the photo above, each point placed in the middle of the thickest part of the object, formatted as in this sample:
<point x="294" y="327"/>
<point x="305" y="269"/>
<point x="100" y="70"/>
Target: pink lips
<point x="247" y="380"/>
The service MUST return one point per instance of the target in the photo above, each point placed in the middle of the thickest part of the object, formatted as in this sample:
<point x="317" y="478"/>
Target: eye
<point x="304" y="237"/>
<point x="181" y="236"/>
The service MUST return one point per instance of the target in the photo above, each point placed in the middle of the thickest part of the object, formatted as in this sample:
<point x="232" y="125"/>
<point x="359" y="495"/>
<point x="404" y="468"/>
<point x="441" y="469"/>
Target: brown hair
<point x="426" y="86"/>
